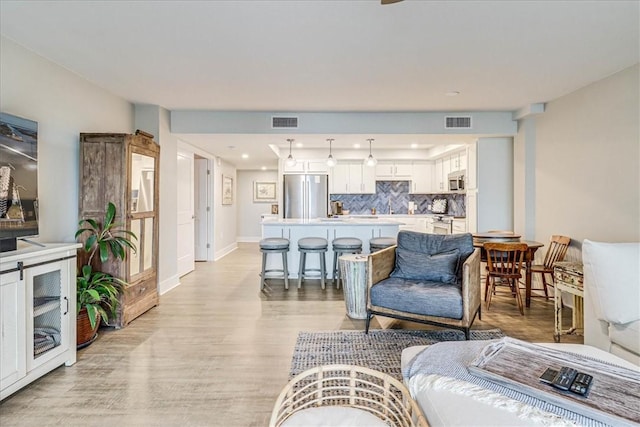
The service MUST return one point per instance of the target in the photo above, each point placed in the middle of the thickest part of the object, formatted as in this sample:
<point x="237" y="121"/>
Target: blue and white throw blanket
<point x="444" y="366"/>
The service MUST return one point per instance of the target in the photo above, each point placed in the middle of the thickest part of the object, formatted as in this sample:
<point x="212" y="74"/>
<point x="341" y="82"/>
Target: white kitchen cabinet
<point x="459" y="225"/>
<point x="446" y="165"/>
<point x="458" y="161"/>
<point x="317" y="166"/>
<point x="306" y="166"/>
<point x="38" y="317"/>
<point x="13" y="347"/>
<point x="429" y="225"/>
<point x="421" y="178"/>
<point x="393" y="171"/>
<point x="352" y="178"/>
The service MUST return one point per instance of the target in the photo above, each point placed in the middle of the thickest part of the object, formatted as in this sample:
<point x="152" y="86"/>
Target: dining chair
<point x="504" y="263"/>
<point x="558" y="246"/>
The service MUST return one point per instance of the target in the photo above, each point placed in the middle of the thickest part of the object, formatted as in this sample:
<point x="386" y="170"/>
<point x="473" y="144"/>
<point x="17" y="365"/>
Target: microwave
<point x="456" y="181"/>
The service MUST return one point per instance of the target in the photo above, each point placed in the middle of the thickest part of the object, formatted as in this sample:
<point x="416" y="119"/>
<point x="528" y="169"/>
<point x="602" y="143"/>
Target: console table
<point x="568" y="277"/>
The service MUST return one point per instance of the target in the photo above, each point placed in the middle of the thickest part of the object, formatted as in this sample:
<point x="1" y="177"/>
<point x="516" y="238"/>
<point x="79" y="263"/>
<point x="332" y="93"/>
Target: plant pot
<point x="85" y="334"/>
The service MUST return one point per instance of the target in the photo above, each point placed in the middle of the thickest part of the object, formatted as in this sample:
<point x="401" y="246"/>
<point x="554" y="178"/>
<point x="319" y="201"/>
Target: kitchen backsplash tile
<point x="397" y="192"/>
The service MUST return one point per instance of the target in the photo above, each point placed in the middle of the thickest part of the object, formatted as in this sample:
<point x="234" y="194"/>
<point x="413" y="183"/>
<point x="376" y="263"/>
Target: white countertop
<point x="347" y="221"/>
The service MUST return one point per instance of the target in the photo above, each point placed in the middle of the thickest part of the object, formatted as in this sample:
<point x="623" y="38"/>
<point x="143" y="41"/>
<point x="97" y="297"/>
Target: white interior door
<point x="185" y="181"/>
<point x="202" y="209"/>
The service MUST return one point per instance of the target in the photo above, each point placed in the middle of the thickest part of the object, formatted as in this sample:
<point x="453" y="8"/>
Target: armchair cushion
<point x="429" y="298"/>
<point x="423" y="256"/>
<point x="441" y="267"/>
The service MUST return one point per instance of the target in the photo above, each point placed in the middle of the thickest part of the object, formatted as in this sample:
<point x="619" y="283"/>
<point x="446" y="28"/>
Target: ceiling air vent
<point x="462" y="122"/>
<point x="280" y="122"/>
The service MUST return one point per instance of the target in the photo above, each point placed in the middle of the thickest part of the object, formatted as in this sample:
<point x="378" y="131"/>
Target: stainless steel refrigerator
<point x="306" y="196"/>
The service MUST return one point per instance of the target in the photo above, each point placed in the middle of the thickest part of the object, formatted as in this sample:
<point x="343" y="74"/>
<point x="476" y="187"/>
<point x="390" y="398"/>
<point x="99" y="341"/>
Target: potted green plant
<point x="97" y="295"/>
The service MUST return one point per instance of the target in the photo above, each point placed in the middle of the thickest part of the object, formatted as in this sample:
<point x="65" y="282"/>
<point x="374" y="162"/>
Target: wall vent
<point x="281" y="122"/>
<point x="461" y="122"/>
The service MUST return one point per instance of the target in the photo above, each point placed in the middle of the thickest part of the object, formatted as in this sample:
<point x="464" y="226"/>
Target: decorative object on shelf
<point x="331" y="162"/>
<point x="227" y="190"/>
<point x="290" y="160"/>
<point x="371" y="161"/>
<point x="97" y="290"/>
<point x="264" y="191"/>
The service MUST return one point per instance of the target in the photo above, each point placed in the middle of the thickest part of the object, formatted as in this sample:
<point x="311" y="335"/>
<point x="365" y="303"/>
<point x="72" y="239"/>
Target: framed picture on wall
<point x="264" y="191"/>
<point x="227" y="190"/>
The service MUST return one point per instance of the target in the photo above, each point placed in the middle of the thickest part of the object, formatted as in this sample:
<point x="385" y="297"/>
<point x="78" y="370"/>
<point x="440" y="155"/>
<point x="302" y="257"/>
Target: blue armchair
<point x="426" y="278"/>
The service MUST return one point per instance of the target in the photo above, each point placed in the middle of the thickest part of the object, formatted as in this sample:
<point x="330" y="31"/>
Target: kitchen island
<point x="329" y="228"/>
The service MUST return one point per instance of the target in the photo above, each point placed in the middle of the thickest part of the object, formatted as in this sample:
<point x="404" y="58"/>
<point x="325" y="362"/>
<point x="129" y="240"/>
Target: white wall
<point x="225" y="216"/>
<point x="249" y="212"/>
<point x="587" y="162"/>
<point x="64" y="105"/>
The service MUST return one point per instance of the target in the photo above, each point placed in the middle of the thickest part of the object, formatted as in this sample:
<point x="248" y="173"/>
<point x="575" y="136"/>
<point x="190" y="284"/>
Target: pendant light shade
<point x="331" y="162"/>
<point x="371" y="161"/>
<point x="290" y="160"/>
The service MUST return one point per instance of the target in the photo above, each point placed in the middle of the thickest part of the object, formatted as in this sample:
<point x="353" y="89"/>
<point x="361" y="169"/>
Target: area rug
<point x="379" y="350"/>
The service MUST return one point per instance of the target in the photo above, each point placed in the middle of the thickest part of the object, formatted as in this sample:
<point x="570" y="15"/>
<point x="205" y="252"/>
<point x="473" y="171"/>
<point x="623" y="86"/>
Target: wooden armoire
<point x="124" y="169"/>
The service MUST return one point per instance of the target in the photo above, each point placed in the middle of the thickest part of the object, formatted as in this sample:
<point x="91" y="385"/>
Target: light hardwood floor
<point x="215" y="352"/>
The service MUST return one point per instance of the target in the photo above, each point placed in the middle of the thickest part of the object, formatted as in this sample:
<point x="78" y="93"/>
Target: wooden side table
<point x="568" y="278"/>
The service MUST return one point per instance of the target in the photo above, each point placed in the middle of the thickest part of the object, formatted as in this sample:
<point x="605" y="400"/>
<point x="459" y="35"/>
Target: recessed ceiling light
<point x="452" y="93"/>
<point x="414" y="145"/>
<point x="356" y="145"/>
<point x="231" y="147"/>
<point x="245" y="156"/>
<point x="299" y="144"/>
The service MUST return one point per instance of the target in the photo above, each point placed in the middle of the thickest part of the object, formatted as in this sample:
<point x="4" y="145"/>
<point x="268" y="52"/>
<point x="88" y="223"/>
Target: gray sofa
<point x="426" y="278"/>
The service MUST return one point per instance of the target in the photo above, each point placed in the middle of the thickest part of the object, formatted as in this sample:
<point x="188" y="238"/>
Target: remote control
<point x="565" y="378"/>
<point x="548" y="376"/>
<point x="581" y="384"/>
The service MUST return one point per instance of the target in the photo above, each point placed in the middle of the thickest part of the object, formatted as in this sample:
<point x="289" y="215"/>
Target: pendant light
<point x="331" y="162"/>
<point x="371" y="161"/>
<point x="290" y="160"/>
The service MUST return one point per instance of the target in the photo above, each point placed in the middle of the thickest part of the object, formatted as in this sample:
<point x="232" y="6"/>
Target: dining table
<point x="479" y="239"/>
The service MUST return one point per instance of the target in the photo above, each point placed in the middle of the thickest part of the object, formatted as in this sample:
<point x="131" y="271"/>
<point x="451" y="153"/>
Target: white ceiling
<point x="296" y="56"/>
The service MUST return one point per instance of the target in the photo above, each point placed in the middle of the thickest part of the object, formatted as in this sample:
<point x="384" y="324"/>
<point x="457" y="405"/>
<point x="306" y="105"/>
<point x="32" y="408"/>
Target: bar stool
<point x="379" y="243"/>
<point x="274" y="245"/>
<point x="317" y="245"/>
<point x="343" y="245"/>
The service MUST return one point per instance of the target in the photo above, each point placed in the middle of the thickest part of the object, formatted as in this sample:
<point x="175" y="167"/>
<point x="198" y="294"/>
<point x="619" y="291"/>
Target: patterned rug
<point x="379" y="350"/>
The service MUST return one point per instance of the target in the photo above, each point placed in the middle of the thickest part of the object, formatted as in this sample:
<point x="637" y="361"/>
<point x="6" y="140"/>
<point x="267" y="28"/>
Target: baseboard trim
<point x="225" y="251"/>
<point x="168" y="284"/>
<point x="248" y="239"/>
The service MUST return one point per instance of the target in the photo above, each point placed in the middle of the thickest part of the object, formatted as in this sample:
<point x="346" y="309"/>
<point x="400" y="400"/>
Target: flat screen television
<point x="18" y="180"/>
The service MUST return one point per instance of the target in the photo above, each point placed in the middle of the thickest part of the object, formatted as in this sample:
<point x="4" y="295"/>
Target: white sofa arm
<point x="611" y="290"/>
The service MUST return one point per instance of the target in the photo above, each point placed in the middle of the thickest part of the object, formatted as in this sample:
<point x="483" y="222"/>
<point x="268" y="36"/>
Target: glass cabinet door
<point x="142" y="212"/>
<point x="47" y="312"/>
